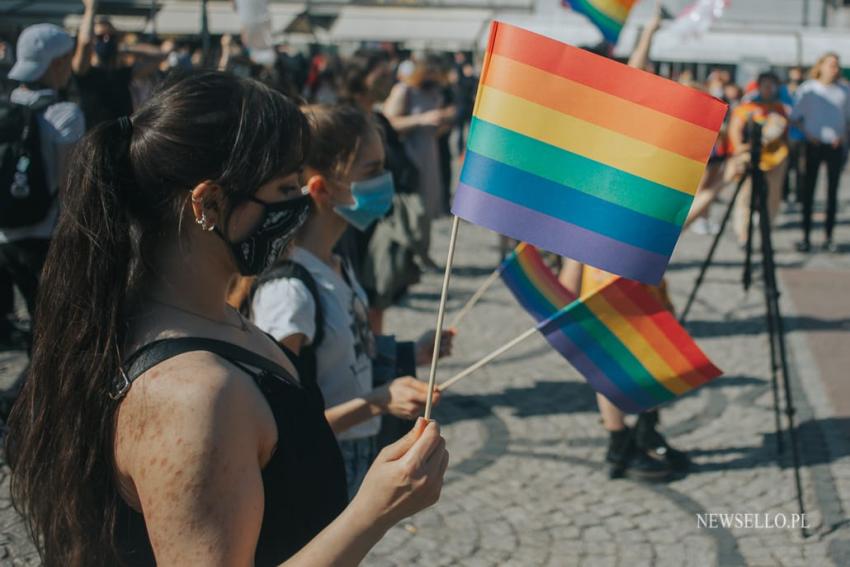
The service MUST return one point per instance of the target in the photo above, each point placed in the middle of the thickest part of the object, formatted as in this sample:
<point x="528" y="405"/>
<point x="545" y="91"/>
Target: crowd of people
<point x="169" y="213"/>
<point x="804" y="125"/>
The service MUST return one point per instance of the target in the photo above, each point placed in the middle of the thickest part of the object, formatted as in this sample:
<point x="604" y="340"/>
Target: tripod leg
<point x="776" y="328"/>
<point x="710" y="256"/>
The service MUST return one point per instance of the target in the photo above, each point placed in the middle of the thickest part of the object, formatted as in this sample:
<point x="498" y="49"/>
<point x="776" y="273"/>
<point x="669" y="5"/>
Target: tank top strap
<point x="161" y="350"/>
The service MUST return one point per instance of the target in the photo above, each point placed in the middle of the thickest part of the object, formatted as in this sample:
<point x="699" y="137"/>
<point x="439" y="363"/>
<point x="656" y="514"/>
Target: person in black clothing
<point x="465" y="86"/>
<point x="157" y="425"/>
<point x="102" y="78"/>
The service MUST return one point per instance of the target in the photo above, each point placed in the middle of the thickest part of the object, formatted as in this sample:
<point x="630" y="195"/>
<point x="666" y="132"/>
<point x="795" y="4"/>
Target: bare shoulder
<point x="184" y="409"/>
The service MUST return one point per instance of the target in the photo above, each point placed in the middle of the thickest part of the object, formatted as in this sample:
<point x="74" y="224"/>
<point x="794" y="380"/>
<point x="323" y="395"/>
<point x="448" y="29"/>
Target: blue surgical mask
<point x="372" y="199"/>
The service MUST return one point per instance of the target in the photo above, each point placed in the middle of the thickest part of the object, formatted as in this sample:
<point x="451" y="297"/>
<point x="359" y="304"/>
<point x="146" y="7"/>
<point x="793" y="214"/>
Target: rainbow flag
<point x="583" y="156"/>
<point x="533" y="284"/>
<point x="628" y="347"/>
<point x="607" y="15"/>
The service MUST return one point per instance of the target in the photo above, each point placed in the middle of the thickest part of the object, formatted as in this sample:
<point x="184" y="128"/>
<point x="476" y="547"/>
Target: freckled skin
<point x="180" y="439"/>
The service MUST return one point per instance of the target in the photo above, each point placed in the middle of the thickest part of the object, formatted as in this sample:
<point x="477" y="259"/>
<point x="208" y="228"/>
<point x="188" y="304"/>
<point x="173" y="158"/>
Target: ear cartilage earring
<point x="204" y="224"/>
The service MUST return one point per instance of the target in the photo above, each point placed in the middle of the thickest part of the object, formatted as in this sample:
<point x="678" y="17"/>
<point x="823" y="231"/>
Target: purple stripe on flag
<point x="558" y="236"/>
<point x="595" y="377"/>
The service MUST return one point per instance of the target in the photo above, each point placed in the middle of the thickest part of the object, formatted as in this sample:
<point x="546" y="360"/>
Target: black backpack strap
<point x="290" y="269"/>
<point x="161" y="350"/>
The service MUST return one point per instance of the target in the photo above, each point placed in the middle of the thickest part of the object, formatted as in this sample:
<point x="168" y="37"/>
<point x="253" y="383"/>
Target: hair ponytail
<point x="85" y="279"/>
<point x="125" y="197"/>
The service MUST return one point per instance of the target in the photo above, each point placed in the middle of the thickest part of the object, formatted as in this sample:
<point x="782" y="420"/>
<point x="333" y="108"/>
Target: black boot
<point x="625" y="459"/>
<point x="649" y="441"/>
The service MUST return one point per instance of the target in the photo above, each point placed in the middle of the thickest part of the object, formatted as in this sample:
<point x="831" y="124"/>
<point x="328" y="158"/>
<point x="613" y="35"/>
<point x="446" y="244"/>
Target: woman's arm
<point x="193" y="451"/>
<point x="403" y="397"/>
<point x="640" y="55"/>
<point x="395" y="109"/>
<point x="81" y="62"/>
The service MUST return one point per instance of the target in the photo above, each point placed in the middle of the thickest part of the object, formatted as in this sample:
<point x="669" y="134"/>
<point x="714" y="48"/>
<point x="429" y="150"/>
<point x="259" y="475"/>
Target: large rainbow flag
<point x="628" y="347"/>
<point x="607" y="15"/>
<point x="583" y="156"/>
<point x="533" y="284"/>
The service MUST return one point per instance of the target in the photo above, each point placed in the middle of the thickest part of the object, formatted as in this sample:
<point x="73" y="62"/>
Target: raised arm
<point x="395" y="109"/>
<point x="640" y="56"/>
<point x="81" y="62"/>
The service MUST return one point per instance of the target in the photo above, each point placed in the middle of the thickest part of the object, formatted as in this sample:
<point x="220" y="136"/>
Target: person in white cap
<point x="37" y="133"/>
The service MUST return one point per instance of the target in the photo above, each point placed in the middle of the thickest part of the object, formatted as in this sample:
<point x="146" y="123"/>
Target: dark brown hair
<point x="125" y="198"/>
<point x="336" y="134"/>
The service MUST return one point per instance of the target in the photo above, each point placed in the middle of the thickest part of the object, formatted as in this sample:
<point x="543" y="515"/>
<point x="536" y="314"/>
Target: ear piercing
<point x="204" y="223"/>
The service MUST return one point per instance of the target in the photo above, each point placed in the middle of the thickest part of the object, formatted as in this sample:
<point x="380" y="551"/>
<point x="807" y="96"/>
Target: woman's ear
<point x="206" y="201"/>
<point x="319" y="190"/>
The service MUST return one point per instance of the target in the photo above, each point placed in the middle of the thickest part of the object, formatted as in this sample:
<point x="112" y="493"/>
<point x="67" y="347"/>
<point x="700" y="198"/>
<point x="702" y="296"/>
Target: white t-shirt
<point x="284" y="307"/>
<point x="824" y="110"/>
<point x="60" y="126"/>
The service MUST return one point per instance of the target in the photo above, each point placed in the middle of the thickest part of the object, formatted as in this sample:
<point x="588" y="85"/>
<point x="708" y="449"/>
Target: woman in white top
<point x="822" y="112"/>
<point x="348" y="185"/>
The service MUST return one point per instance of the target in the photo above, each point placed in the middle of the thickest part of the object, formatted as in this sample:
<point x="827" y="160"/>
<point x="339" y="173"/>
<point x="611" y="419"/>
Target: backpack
<point x="25" y="198"/>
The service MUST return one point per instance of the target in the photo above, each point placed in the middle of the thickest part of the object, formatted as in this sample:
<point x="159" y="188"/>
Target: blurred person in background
<point x="389" y="256"/>
<point x="466" y="87"/>
<point x="796" y="76"/>
<point x="448" y="84"/>
<point x="732" y="94"/>
<point x="795" y="178"/>
<point x="822" y="112"/>
<point x="415" y="108"/>
<point x="104" y="68"/>
<point x="47" y="128"/>
<point x="767" y="110"/>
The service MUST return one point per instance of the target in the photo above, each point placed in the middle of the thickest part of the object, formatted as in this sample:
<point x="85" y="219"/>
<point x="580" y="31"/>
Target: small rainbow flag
<point x="607" y="15"/>
<point x="628" y="347"/>
<point x="583" y="156"/>
<point x="533" y="284"/>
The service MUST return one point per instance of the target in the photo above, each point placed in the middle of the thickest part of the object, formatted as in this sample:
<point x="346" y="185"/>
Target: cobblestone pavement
<point x="526" y="486"/>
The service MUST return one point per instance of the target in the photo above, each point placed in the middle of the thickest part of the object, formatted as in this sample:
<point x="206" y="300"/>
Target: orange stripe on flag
<point x="600" y="108"/>
<point x="645" y="326"/>
<point x="607" y="75"/>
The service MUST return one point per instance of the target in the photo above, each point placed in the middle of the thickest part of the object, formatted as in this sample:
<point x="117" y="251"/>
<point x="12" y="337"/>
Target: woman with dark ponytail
<point x="156" y="425"/>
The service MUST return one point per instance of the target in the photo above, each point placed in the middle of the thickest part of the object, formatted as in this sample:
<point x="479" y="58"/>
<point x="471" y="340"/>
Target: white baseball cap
<point x="38" y="46"/>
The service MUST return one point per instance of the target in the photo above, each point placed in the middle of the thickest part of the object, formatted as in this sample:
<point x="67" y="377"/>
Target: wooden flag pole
<point x="475" y="297"/>
<point x="441" y="312"/>
<point x="502" y="349"/>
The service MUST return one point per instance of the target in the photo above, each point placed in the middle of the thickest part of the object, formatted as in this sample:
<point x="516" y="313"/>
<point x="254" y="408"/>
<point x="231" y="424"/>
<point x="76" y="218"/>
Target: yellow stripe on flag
<point x="637" y="345"/>
<point x="589" y="140"/>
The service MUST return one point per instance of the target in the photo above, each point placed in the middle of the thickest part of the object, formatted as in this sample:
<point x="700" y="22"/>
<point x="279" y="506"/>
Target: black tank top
<point x="303" y="482"/>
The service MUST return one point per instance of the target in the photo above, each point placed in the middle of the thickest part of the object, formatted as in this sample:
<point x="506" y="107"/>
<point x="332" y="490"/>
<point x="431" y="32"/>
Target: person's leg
<point x="623" y="456"/>
<point x="650" y="441"/>
<point x="812" y="166"/>
<point x="834" y="161"/>
<point x="741" y="220"/>
<point x="710" y="185"/>
<point x="775" y="180"/>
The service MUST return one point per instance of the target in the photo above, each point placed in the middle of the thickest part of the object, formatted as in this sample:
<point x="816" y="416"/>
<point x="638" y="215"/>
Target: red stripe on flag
<point x="607" y="75"/>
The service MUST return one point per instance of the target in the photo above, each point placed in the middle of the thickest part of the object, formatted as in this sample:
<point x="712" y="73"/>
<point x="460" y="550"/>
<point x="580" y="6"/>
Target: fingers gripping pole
<point x="441" y="312"/>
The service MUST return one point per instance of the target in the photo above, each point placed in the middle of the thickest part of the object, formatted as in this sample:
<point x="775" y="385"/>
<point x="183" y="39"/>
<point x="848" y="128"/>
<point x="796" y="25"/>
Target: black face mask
<point x="273" y="234"/>
<point x="106" y="48"/>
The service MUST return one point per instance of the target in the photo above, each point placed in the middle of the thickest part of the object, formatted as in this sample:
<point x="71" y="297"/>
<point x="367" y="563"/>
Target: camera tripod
<point x="775" y="323"/>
